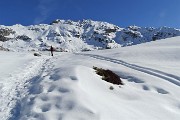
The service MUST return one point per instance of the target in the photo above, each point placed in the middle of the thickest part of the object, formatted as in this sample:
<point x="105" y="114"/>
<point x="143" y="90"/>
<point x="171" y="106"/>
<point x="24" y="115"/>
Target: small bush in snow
<point x="37" y="54"/>
<point x="86" y="49"/>
<point x="108" y="76"/>
<point x="111" y="88"/>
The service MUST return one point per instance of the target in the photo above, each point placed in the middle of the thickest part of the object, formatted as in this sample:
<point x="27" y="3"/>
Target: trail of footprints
<point x="157" y="89"/>
<point x="53" y="98"/>
<point x="147" y="87"/>
<point x="53" y="95"/>
<point x="59" y="93"/>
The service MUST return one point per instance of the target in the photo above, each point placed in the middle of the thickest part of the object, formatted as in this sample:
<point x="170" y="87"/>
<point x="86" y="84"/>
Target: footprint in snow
<point x="73" y="77"/>
<point x="68" y="105"/>
<point x="31" y="100"/>
<point x="51" y="88"/>
<point x="134" y="79"/>
<point x="145" y="88"/>
<point x="39" y="116"/>
<point x="36" y="89"/>
<point x="161" y="91"/>
<point x="46" y="107"/>
<point x="44" y="98"/>
<point x="63" y="90"/>
<point x="54" y="77"/>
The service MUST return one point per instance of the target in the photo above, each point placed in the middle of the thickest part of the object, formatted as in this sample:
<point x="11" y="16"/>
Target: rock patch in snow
<point x="108" y="76"/>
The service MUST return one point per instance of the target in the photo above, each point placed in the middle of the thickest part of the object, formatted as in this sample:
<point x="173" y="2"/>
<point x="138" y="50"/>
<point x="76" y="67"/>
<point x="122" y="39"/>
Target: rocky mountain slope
<point x="84" y="35"/>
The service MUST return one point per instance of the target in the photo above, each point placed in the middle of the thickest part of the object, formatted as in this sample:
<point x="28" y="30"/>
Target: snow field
<point x="65" y="87"/>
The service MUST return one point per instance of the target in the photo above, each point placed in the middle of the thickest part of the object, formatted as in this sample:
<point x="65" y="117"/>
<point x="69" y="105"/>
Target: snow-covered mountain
<point x="84" y="35"/>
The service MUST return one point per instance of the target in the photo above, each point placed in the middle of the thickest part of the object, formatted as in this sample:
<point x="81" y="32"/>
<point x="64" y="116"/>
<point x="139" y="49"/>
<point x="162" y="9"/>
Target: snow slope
<point x="65" y="87"/>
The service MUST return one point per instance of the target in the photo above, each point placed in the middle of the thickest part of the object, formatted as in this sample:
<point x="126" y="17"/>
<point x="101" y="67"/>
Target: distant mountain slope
<point x="84" y="35"/>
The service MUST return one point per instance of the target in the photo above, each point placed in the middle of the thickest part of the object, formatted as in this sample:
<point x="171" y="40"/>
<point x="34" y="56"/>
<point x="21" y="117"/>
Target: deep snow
<point x="65" y="87"/>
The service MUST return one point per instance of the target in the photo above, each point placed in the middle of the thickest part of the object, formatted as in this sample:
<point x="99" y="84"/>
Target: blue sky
<point x="123" y="13"/>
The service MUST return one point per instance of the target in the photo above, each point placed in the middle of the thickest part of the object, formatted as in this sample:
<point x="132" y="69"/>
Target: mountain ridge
<point x="75" y="36"/>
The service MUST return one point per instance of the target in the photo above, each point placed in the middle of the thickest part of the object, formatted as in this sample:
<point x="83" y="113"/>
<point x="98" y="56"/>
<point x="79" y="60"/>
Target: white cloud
<point x="163" y="14"/>
<point x="45" y="7"/>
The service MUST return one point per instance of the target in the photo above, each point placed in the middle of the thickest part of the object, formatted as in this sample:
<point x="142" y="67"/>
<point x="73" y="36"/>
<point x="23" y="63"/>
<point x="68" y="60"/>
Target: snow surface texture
<point x="66" y="87"/>
<point x="84" y="35"/>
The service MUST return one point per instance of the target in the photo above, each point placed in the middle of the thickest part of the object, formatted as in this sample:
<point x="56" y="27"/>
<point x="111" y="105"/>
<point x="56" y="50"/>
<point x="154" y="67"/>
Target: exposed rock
<point x="23" y="37"/>
<point x="6" y="31"/>
<point x="110" y="30"/>
<point x="3" y="49"/>
<point x="3" y="39"/>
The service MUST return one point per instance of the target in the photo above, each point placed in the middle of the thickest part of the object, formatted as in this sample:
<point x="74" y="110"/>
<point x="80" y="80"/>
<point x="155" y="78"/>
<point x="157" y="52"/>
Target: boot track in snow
<point x="12" y="99"/>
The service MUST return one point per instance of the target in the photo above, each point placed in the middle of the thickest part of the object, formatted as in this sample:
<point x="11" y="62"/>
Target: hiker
<point x="51" y="49"/>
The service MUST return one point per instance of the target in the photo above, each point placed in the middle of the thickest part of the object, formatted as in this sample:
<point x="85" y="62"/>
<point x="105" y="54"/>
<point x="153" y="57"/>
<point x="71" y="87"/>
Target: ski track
<point x="12" y="97"/>
<point x="166" y="76"/>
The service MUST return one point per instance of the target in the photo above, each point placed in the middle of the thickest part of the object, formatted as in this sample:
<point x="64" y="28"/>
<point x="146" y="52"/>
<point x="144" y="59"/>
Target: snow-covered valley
<point x="66" y="87"/>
